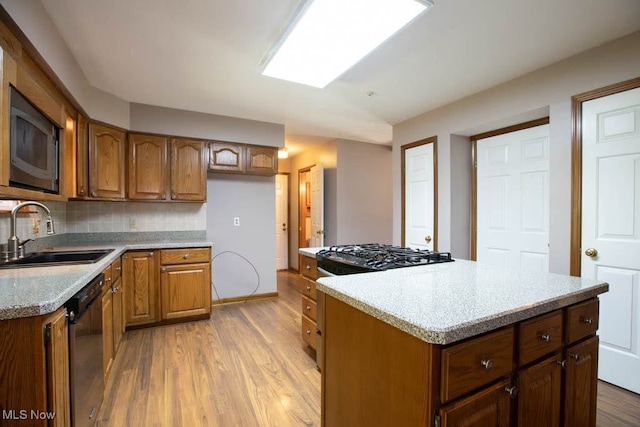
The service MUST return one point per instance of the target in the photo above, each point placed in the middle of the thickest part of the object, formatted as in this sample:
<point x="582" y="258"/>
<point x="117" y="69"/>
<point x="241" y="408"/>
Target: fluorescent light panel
<point x="332" y="35"/>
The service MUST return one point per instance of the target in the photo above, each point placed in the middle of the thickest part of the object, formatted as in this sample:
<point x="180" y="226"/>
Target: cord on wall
<point x="249" y="262"/>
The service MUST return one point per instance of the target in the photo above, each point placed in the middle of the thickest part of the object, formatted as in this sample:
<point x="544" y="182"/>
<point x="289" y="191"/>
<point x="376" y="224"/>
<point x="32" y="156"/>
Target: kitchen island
<point x="459" y="343"/>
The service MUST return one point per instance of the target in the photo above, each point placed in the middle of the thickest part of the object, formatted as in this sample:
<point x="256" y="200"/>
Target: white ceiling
<point x="204" y="55"/>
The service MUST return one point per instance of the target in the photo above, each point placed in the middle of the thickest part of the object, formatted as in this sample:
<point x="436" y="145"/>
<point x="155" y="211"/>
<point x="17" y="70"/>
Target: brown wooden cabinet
<point x="188" y="169"/>
<point x="226" y="157"/>
<point x="142" y="291"/>
<point x="526" y="374"/>
<point x="35" y="369"/>
<point x="82" y="157"/>
<point x="230" y="157"/>
<point x="309" y="325"/>
<point x="106" y="162"/>
<point x="185" y="283"/>
<point x="262" y="160"/>
<point x="148" y="173"/>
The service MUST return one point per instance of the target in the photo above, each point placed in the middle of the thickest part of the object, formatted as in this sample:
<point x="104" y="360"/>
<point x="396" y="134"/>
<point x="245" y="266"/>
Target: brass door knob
<point x="591" y="252"/>
<point x="427" y="239"/>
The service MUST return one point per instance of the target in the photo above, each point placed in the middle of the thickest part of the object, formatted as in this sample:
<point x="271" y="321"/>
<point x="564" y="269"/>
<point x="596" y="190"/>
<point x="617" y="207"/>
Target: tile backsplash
<point x="94" y="217"/>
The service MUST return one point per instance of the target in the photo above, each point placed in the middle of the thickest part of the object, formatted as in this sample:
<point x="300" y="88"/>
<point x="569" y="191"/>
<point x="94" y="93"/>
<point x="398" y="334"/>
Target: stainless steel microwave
<point x="34" y="147"/>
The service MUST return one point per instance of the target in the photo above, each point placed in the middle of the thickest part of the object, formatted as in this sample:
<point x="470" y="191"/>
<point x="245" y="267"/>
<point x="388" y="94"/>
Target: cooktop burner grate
<point x="360" y="258"/>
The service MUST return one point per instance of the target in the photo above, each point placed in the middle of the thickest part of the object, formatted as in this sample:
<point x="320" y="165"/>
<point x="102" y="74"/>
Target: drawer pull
<point x="513" y="391"/>
<point x="574" y="356"/>
<point x="308" y="267"/>
<point x="308" y="308"/>
<point x="562" y="363"/>
<point x="185" y="256"/>
<point x="308" y="288"/>
<point x="118" y="268"/>
<point x="487" y="363"/>
<point x="546" y="337"/>
<point x="308" y="332"/>
<point x="587" y="320"/>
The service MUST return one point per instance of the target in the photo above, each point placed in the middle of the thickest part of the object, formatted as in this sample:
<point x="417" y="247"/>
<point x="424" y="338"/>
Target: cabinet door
<point x="262" y="160"/>
<point x="226" y="157"/>
<point x="141" y="298"/>
<point x="186" y="290"/>
<point x="82" y="158"/>
<point x="107" y="332"/>
<point x="106" y="162"/>
<point x="118" y="322"/>
<point x="58" y="369"/>
<point x="581" y="382"/>
<point x="148" y="173"/>
<point x="539" y="396"/>
<point x="188" y="170"/>
<point x="487" y="408"/>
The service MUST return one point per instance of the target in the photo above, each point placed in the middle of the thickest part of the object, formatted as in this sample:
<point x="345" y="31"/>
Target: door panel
<point x="513" y="199"/>
<point x="317" y="206"/>
<point x="611" y="226"/>
<point x="419" y="197"/>
<point x="282" y="222"/>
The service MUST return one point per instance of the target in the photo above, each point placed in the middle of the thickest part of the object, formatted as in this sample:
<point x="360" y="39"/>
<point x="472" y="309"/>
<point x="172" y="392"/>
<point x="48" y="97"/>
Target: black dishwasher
<point x="85" y="353"/>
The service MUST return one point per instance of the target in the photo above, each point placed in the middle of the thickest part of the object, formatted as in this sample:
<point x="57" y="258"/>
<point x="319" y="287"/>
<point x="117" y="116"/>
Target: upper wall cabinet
<point x="82" y="157"/>
<point x="106" y="162"/>
<point x="226" y="157"/>
<point x="229" y="157"/>
<point x="188" y="169"/>
<point x="148" y="171"/>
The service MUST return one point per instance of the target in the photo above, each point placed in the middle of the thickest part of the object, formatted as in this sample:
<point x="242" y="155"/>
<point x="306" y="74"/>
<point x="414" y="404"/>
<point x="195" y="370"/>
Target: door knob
<point x="427" y="239"/>
<point x="591" y="252"/>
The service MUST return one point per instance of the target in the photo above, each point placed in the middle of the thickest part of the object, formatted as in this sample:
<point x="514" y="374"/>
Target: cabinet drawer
<point x="185" y="256"/>
<point x="308" y="289"/>
<point x="540" y="336"/>
<point x="582" y="320"/>
<point x="474" y="363"/>
<point x="309" y="334"/>
<point x="309" y="267"/>
<point x="309" y="308"/>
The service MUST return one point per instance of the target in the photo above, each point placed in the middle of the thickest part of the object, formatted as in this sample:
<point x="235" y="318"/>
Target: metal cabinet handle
<point x="81" y="192"/>
<point x="94" y="194"/>
<point x="150" y="253"/>
<point x="587" y="320"/>
<point x="562" y="363"/>
<point x="308" y="308"/>
<point x="513" y="391"/>
<point x="173" y="195"/>
<point x="308" y="332"/>
<point x="308" y="288"/>
<point x="574" y="356"/>
<point x="185" y="256"/>
<point x="308" y="267"/>
<point x="163" y="269"/>
<point x="487" y="363"/>
<point x="546" y="337"/>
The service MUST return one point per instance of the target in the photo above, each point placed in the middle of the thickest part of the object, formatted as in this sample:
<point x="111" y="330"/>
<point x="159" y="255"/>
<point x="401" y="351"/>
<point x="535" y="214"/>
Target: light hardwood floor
<point x="246" y="366"/>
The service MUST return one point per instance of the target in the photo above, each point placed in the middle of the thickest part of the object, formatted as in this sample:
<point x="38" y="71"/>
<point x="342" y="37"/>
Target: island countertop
<point x="448" y="302"/>
<point x="40" y="290"/>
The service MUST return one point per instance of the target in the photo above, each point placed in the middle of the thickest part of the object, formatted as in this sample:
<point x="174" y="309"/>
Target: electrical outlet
<point x="132" y="222"/>
<point x="236" y="221"/>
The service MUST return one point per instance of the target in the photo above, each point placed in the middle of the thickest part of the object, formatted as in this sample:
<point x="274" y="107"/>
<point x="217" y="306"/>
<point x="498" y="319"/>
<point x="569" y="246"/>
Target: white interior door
<point x="611" y="226"/>
<point x="419" y="197"/>
<point x="317" y="206"/>
<point x="282" y="222"/>
<point x="513" y="200"/>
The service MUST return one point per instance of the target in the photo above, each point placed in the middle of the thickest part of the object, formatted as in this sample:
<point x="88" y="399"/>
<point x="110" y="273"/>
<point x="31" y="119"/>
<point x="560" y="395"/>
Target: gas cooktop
<point x="368" y="257"/>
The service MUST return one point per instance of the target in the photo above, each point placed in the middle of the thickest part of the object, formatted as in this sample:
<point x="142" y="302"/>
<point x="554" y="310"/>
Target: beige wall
<point x="543" y="92"/>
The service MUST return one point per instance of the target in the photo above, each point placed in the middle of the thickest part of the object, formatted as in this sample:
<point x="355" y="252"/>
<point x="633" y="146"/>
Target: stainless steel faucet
<point x="15" y="248"/>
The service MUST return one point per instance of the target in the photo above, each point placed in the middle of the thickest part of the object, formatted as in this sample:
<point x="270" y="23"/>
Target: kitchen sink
<point x="49" y="258"/>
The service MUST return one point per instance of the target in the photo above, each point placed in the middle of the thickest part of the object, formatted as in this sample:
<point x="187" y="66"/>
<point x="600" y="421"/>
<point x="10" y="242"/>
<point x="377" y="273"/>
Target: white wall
<point x="252" y="244"/>
<point x="364" y="193"/>
<point x="533" y="95"/>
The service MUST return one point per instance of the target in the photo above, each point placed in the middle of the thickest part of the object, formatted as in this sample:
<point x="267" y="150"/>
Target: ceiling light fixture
<point x="283" y="153"/>
<point x="327" y="37"/>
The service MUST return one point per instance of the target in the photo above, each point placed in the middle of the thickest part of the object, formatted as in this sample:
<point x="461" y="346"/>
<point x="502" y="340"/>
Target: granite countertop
<point x="311" y="251"/>
<point x="35" y="291"/>
<point x="448" y="302"/>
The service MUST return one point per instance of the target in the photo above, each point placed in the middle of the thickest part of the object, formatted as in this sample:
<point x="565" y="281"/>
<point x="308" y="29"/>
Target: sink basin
<point x="47" y="259"/>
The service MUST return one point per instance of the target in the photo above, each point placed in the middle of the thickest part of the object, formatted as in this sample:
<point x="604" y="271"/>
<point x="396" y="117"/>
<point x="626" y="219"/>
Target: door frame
<point x="474" y="173"/>
<point x="431" y="140"/>
<point x="575" y="265"/>
<point x="301" y="208"/>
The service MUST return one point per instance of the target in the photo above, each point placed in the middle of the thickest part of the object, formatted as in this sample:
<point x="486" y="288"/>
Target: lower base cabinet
<point x="167" y="285"/>
<point x="34" y="378"/>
